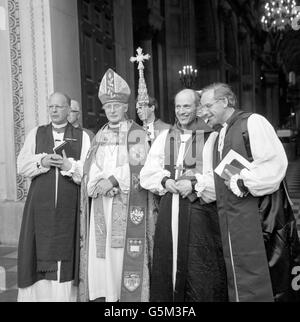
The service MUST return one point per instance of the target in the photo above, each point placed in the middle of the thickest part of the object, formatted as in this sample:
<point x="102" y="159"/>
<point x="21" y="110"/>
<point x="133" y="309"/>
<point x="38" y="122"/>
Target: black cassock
<point x="201" y="275"/>
<point x="50" y="231"/>
<point x="260" y="242"/>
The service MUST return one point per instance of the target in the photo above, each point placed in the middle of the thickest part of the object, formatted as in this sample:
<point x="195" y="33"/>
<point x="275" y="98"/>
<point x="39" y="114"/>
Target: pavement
<point x="8" y="274"/>
<point x="8" y="255"/>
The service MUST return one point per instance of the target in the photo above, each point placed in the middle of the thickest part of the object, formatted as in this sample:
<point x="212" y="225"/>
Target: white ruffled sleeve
<point x="270" y="161"/>
<point x="154" y="171"/>
<point x="28" y="163"/>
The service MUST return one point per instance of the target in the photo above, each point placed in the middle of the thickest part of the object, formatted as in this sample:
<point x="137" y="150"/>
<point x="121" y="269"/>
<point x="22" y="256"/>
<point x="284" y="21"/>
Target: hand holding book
<point x="234" y="163"/>
<point x="60" y="148"/>
<point x="230" y="168"/>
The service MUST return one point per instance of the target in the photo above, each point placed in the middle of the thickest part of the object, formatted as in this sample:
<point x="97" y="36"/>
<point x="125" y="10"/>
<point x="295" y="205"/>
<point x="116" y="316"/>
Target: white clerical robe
<point x="105" y="275"/>
<point x="154" y="171"/>
<point x="270" y="162"/>
<point x="29" y="165"/>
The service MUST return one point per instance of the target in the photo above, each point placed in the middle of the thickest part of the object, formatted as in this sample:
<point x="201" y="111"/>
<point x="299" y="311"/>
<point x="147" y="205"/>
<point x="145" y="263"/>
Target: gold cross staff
<point x="140" y="58"/>
<point x="143" y="97"/>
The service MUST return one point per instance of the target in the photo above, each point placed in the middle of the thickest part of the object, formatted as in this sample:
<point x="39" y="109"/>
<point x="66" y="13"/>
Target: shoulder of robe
<point x="160" y="125"/>
<point x="77" y="129"/>
<point x="44" y="126"/>
<point x="134" y="125"/>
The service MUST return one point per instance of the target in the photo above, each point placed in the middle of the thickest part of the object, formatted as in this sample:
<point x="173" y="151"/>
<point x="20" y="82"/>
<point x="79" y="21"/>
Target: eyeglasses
<point x="110" y="107"/>
<point x="60" y="107"/>
<point x="209" y="105"/>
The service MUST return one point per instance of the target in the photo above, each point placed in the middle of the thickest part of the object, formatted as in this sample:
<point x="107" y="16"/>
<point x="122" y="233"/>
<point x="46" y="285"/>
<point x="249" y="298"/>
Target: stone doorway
<point x="97" y="54"/>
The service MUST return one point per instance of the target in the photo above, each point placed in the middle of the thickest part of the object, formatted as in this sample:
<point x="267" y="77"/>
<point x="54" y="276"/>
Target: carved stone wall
<point x="17" y="87"/>
<point x="7" y="142"/>
<point x="12" y="123"/>
<point x="31" y="74"/>
<point x="26" y="80"/>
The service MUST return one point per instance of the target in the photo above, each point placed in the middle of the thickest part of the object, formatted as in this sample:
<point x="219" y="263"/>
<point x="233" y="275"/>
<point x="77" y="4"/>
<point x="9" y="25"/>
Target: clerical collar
<point x="236" y="114"/>
<point x="150" y="125"/>
<point x="115" y="128"/>
<point x="231" y="117"/>
<point x="59" y="126"/>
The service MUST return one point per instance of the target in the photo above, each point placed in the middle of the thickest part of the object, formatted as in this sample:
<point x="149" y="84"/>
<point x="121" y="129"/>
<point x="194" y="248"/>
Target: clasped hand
<point x="57" y="161"/>
<point x="105" y="188"/>
<point x="182" y="187"/>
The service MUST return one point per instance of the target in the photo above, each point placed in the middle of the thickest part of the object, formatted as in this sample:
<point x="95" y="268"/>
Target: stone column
<point x="12" y="125"/>
<point x="247" y="93"/>
<point x="7" y="156"/>
<point x="39" y="54"/>
<point x="272" y="97"/>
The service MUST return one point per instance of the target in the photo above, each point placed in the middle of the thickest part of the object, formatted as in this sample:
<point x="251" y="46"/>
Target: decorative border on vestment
<point x="17" y="87"/>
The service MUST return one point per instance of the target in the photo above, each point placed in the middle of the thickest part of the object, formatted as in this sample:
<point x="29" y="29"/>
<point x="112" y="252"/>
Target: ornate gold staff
<point x="143" y="97"/>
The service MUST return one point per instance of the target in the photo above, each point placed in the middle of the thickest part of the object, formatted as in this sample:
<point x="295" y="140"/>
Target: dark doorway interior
<point x="97" y="54"/>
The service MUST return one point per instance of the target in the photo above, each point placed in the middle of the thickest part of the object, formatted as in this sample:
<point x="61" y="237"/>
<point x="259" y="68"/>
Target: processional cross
<point x="143" y="98"/>
<point x="140" y="58"/>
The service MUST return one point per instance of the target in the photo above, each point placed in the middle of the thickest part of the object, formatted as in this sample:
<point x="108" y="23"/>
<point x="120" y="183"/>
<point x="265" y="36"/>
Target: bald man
<point x="188" y="264"/>
<point x="48" y="239"/>
<point x="74" y="118"/>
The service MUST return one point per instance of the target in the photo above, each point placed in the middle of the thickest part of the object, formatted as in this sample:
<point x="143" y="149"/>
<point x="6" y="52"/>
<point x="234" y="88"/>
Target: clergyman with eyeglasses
<point x="47" y="246"/>
<point x="258" y="228"/>
<point x="188" y="263"/>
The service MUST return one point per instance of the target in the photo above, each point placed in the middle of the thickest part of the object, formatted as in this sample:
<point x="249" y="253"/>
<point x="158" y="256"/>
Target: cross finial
<point x="143" y="97"/>
<point x="140" y="58"/>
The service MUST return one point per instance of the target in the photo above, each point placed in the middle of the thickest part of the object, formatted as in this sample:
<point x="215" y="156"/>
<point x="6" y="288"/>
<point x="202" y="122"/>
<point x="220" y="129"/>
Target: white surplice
<point x="105" y="275"/>
<point x="154" y="171"/>
<point x="29" y="165"/>
<point x="270" y="162"/>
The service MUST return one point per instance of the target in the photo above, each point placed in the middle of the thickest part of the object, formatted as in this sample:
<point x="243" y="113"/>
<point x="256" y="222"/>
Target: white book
<point x="232" y="162"/>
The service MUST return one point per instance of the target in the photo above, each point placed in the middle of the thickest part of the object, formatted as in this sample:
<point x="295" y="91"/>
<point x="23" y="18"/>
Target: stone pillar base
<point x="10" y="222"/>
